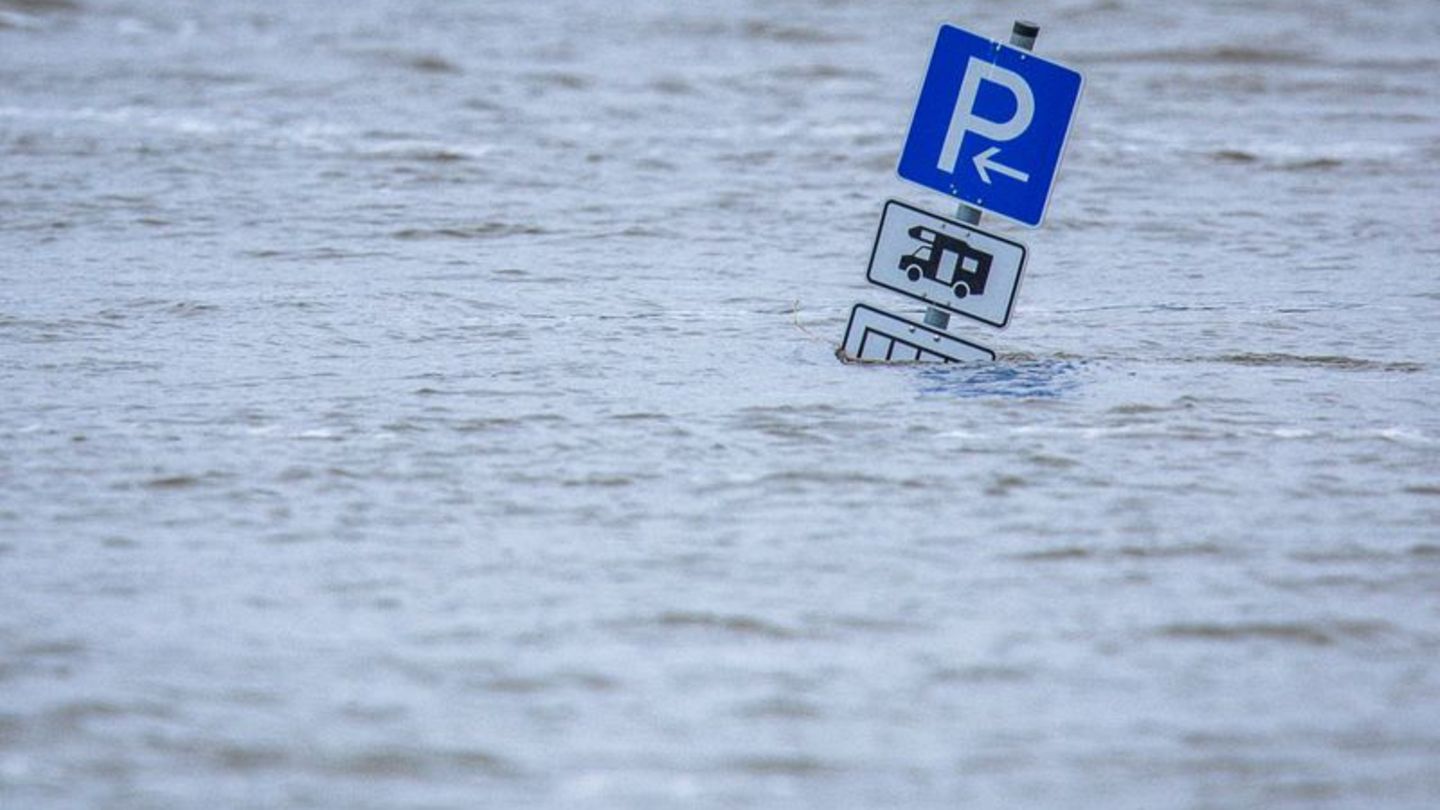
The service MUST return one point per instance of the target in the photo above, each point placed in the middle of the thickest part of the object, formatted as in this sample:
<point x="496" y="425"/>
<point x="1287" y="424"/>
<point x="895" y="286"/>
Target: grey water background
<point x="432" y="404"/>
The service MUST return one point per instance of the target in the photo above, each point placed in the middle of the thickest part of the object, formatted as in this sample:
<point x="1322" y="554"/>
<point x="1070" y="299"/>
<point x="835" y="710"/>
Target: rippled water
<point x="434" y="405"/>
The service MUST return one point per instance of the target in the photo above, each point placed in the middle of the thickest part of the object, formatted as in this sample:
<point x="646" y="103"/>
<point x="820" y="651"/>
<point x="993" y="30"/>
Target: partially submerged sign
<point x="879" y="337"/>
<point x="947" y="264"/>
<point x="990" y="125"/>
<point x="989" y="128"/>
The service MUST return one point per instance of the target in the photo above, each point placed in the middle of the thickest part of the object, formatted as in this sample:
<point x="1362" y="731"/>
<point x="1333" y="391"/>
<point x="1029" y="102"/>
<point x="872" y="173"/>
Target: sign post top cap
<point x="1025" y="28"/>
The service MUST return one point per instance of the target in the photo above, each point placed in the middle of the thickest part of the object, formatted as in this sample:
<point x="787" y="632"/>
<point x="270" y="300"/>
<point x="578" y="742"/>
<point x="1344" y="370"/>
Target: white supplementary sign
<point x="879" y="337"/>
<point x="947" y="264"/>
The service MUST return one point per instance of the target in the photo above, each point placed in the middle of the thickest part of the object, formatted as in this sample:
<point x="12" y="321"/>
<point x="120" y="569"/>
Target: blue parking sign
<point x="990" y="125"/>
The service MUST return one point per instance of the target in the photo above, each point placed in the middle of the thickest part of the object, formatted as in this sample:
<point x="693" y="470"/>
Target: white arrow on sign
<point x="984" y="165"/>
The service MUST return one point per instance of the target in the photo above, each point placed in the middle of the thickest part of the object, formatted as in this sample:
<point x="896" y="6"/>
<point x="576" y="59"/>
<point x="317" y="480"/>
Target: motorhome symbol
<point x="947" y="260"/>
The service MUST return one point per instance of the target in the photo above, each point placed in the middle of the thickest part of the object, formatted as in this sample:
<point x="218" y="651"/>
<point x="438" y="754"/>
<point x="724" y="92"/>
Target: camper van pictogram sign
<point x="947" y="264"/>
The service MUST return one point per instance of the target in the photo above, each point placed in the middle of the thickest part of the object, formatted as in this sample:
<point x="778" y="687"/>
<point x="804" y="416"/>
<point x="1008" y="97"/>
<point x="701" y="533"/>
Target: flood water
<point x="434" y="405"/>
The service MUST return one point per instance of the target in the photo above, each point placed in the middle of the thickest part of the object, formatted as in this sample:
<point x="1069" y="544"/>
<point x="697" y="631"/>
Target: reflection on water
<point x="1003" y="379"/>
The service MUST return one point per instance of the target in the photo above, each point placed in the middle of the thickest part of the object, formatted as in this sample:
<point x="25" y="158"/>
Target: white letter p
<point x="963" y="119"/>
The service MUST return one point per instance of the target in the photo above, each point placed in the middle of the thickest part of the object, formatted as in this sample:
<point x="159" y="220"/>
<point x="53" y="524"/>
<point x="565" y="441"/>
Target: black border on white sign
<point x="937" y="347"/>
<point x="941" y="302"/>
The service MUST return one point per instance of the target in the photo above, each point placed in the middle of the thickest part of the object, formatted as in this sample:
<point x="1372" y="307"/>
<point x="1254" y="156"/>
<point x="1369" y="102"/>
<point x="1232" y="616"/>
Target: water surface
<point x="434" y="405"/>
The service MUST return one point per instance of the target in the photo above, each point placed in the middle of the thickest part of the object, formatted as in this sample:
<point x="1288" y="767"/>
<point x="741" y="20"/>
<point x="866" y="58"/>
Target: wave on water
<point x="1291" y="157"/>
<point x="793" y="34"/>
<point x="420" y="62"/>
<point x="1220" y="55"/>
<point x="1311" y="633"/>
<point x="26" y="14"/>
<point x="1281" y="360"/>
<point x="483" y="230"/>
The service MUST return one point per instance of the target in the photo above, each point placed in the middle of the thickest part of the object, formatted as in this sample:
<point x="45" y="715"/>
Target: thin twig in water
<point x="795" y="317"/>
